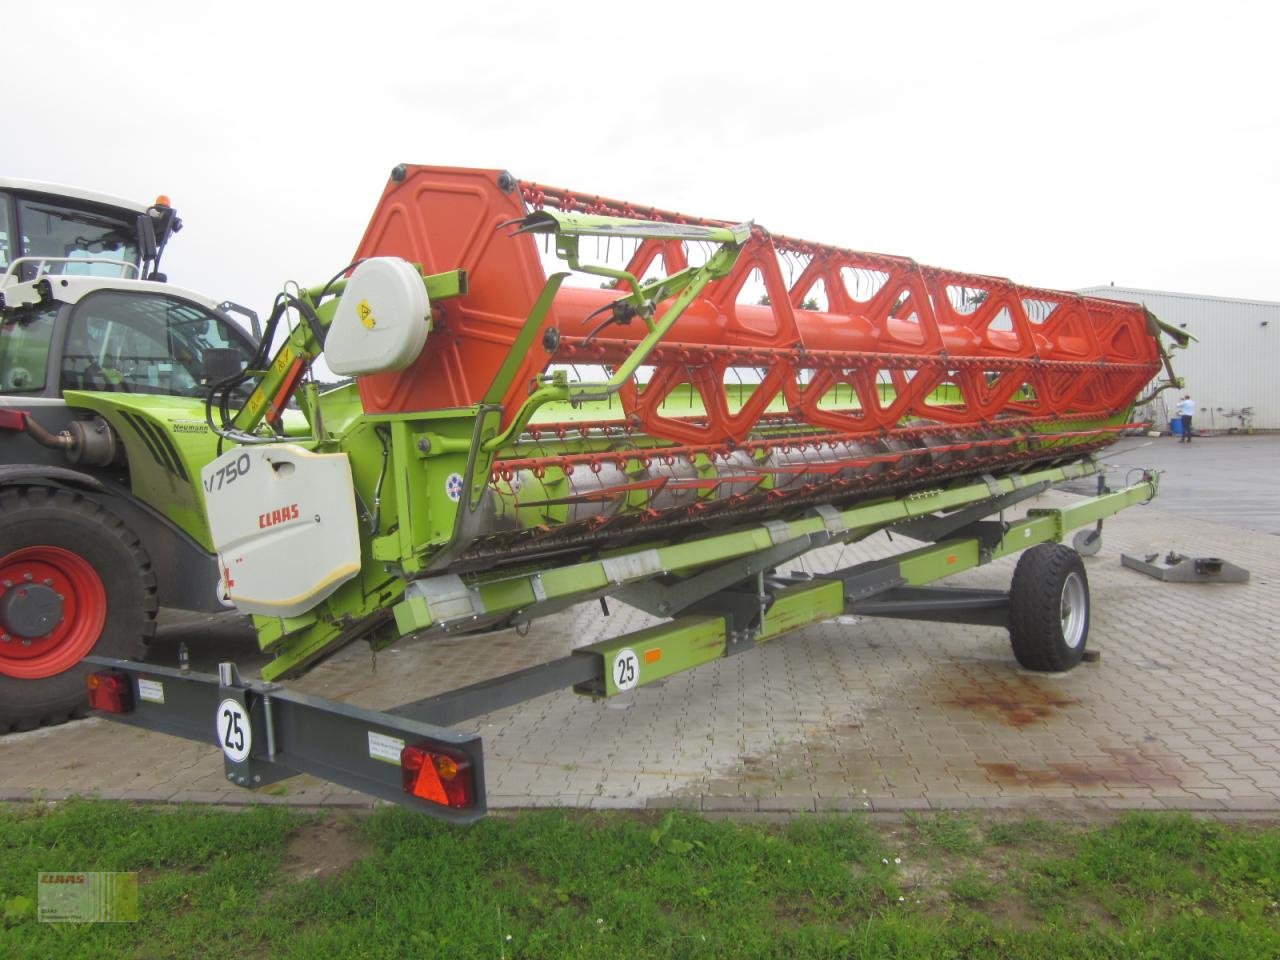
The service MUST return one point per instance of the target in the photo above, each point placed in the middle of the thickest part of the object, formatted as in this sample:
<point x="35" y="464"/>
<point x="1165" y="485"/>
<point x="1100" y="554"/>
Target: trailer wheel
<point x="1087" y="543"/>
<point x="1049" y="608"/>
<point x="73" y="580"/>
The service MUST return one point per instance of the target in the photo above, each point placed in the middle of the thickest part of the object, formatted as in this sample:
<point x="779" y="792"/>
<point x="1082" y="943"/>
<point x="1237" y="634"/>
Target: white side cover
<point x="382" y="320"/>
<point x="284" y="524"/>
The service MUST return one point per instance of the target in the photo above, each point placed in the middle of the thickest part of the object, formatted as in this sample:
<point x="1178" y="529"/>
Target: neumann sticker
<point x="150" y="690"/>
<point x="74" y="897"/>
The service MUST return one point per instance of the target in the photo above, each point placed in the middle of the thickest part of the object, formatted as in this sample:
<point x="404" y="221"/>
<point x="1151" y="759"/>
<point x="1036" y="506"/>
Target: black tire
<point x="1049" y="608"/>
<point x="53" y="517"/>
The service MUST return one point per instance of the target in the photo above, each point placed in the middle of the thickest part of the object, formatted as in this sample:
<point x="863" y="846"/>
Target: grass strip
<point x="274" y="882"/>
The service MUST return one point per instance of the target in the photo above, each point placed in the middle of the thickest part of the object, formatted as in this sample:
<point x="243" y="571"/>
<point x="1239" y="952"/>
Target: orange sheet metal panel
<point x="446" y="218"/>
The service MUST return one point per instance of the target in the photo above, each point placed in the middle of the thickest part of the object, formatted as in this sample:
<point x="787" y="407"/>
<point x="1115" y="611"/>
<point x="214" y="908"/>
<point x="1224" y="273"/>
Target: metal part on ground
<point x="1175" y="568"/>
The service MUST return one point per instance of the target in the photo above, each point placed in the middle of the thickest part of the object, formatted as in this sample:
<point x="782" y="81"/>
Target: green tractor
<point x="104" y="369"/>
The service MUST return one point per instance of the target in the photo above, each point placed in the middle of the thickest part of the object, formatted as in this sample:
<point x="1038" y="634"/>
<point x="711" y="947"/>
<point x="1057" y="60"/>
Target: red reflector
<point x="439" y="776"/>
<point x="13" y="420"/>
<point x="110" y="690"/>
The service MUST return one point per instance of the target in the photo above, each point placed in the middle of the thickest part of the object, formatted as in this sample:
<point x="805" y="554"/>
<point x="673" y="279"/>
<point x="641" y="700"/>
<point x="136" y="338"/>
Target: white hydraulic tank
<point x="381" y="322"/>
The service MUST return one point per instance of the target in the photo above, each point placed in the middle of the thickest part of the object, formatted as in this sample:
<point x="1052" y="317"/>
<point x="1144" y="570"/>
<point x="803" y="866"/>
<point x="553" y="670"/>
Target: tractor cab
<point x="114" y="335"/>
<point x="52" y="229"/>
<point x="83" y="305"/>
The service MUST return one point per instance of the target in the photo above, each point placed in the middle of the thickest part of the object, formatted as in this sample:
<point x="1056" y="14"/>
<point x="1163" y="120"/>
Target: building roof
<point x="1112" y="290"/>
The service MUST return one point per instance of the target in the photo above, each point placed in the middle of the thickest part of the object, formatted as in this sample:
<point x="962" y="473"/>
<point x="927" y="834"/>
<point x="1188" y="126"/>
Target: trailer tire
<point x="71" y="548"/>
<point x="1049" y="609"/>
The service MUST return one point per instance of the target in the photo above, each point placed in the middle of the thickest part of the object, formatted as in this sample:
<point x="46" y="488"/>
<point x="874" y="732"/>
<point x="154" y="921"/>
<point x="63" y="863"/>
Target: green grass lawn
<point x="276" y="883"/>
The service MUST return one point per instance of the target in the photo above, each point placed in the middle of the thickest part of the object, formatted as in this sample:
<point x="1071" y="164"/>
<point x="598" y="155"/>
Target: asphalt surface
<point x="1228" y="479"/>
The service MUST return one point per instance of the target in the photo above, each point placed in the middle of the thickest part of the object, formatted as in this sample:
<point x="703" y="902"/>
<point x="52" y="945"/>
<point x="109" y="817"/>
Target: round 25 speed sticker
<point x="235" y="736"/>
<point x="626" y="669"/>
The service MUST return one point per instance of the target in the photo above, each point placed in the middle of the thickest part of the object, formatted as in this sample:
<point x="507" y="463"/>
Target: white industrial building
<point x="1235" y="365"/>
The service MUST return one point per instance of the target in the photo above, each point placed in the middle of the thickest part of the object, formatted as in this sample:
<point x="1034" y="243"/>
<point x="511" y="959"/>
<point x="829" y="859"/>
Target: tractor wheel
<point x="1049" y="608"/>
<point x="73" y="580"/>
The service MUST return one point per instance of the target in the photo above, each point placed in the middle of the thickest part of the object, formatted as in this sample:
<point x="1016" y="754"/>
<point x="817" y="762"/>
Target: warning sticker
<point x="150" y="690"/>
<point x="283" y="359"/>
<point x="365" y="313"/>
<point x="384" y="747"/>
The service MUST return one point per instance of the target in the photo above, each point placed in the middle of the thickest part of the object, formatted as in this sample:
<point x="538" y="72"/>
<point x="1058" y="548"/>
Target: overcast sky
<point x="1063" y="145"/>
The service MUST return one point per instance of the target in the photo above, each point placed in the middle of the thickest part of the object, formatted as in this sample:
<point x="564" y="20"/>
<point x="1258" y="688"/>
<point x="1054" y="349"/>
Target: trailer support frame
<point x="721" y="604"/>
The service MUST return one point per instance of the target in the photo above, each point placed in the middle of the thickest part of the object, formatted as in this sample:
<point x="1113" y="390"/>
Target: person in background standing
<point x="1186" y="408"/>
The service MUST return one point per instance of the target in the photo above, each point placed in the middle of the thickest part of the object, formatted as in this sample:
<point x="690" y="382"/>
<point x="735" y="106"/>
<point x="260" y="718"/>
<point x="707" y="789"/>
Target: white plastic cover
<point x="283" y="521"/>
<point x="382" y="320"/>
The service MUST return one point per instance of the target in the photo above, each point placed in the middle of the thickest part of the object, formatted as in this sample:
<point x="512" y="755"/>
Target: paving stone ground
<point x="1182" y="710"/>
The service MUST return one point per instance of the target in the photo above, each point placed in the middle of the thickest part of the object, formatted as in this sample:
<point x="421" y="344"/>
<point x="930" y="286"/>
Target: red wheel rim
<point x="84" y="611"/>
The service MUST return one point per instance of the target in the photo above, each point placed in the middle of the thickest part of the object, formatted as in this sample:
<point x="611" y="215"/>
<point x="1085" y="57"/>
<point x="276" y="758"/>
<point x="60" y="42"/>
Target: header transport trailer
<point x="717" y="402"/>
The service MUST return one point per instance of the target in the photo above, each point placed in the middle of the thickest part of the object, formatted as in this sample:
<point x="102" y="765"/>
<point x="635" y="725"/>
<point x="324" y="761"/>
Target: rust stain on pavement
<point x="1140" y="767"/>
<point x="1017" y="701"/>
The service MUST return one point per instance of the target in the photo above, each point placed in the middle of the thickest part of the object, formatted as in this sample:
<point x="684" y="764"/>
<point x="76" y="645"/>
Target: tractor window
<point x="50" y="230"/>
<point x="144" y="343"/>
<point x="24" y="349"/>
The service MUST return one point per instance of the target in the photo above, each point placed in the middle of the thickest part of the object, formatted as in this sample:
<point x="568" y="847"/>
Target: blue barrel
<point x="1176" y="426"/>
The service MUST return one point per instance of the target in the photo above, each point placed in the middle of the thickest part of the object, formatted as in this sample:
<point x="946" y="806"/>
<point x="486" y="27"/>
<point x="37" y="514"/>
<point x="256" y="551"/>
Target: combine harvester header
<point x="720" y="401"/>
<point x="909" y="375"/>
